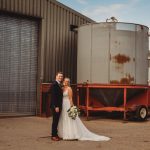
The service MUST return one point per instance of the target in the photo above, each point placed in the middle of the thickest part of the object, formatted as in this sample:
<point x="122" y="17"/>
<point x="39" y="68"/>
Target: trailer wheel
<point x="141" y="113"/>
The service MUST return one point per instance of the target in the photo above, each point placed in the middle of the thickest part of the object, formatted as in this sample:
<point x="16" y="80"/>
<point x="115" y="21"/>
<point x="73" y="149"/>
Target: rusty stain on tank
<point x="121" y="58"/>
<point x="114" y="82"/>
<point x="130" y="78"/>
<point x="126" y="80"/>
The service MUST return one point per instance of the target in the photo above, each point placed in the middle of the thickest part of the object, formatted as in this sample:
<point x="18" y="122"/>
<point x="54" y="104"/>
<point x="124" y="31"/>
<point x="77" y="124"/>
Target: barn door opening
<point x="18" y="64"/>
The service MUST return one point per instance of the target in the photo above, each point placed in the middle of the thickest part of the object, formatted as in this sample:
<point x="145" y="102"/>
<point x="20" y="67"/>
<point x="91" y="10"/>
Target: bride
<point x="69" y="129"/>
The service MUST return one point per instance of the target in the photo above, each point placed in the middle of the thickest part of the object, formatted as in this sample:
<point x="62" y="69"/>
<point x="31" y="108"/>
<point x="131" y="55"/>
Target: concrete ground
<point x="33" y="133"/>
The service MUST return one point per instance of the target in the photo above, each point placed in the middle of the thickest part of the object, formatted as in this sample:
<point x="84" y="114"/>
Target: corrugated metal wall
<point x="61" y="45"/>
<point x="57" y="44"/>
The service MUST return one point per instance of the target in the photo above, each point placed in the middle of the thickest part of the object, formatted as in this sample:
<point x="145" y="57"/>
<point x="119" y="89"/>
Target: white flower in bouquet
<point x="73" y="112"/>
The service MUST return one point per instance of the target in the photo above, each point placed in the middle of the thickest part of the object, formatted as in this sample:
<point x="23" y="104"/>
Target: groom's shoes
<point x="55" y="138"/>
<point x="59" y="138"/>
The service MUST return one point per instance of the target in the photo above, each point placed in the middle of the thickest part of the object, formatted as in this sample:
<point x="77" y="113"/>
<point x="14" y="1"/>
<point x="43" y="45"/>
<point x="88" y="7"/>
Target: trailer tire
<point x="141" y="113"/>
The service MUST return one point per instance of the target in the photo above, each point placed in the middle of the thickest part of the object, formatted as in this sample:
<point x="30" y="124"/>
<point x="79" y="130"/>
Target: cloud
<point x="103" y="12"/>
<point x="82" y="1"/>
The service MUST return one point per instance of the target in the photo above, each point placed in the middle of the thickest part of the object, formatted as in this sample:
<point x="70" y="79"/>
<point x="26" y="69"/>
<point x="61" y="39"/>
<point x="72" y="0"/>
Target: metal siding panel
<point x="46" y="50"/>
<point x="34" y="7"/>
<point x="67" y="45"/>
<point x="84" y="21"/>
<point x="8" y="2"/>
<point x="39" y="65"/>
<point x="54" y="42"/>
<point x="19" y="6"/>
<point x="3" y="4"/>
<point x="38" y="9"/>
<point x="50" y="41"/>
<point x="31" y="7"/>
<point x="81" y="21"/>
<point x="70" y="10"/>
<point x="45" y="42"/>
<point x="141" y="55"/>
<point x="72" y="56"/>
<point x="27" y="7"/>
<point x="61" y="38"/>
<point x="57" y="56"/>
<point x="42" y="8"/>
<point x="16" y="5"/>
<point x="74" y="71"/>
<point x="84" y="54"/>
<point x="47" y="39"/>
<point x="42" y="49"/>
<point x="72" y="59"/>
<point x="100" y="54"/>
<point x="12" y="5"/>
<point x="64" y="19"/>
<point x="23" y="5"/>
<point x="122" y="64"/>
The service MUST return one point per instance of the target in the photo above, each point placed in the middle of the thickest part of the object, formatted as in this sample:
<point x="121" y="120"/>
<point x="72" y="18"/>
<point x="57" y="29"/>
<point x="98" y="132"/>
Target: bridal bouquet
<point x="73" y="112"/>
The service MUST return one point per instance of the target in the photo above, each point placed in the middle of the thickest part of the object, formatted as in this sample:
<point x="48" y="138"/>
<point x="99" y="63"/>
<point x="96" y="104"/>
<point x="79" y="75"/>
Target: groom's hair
<point x="59" y="72"/>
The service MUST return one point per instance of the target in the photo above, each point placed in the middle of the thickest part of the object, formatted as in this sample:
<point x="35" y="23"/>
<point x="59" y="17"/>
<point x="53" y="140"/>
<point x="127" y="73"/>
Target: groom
<point x="56" y="104"/>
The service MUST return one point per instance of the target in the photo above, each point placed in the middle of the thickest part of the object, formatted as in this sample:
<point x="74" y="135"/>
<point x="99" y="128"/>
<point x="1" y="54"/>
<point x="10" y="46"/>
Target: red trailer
<point x="129" y="99"/>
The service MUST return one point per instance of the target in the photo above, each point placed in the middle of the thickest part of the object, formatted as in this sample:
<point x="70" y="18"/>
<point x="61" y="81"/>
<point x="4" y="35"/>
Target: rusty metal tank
<point x="113" y="52"/>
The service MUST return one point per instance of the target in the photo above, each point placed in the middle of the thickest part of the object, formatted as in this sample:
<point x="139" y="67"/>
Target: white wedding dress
<point x="69" y="129"/>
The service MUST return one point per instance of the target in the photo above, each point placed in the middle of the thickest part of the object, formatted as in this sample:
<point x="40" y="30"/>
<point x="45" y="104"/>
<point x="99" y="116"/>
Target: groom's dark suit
<point x="56" y="101"/>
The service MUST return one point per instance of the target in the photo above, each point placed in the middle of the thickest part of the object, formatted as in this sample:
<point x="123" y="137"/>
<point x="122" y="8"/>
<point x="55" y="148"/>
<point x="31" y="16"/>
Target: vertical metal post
<point x="147" y="97"/>
<point x="87" y="102"/>
<point x="125" y="101"/>
<point x="41" y="99"/>
<point x="78" y="97"/>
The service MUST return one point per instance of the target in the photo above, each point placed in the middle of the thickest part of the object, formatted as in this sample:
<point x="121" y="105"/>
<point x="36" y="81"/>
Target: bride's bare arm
<point x="70" y="96"/>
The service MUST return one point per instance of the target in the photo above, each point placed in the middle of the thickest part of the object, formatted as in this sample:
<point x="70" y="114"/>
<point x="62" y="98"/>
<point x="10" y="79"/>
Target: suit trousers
<point x="55" y="121"/>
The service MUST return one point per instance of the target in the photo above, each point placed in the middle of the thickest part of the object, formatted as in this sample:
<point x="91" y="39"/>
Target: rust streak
<point x="114" y="82"/>
<point x="126" y="80"/>
<point x="121" y="59"/>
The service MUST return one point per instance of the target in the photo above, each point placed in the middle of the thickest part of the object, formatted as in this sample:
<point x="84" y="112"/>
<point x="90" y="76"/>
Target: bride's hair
<point x="68" y="80"/>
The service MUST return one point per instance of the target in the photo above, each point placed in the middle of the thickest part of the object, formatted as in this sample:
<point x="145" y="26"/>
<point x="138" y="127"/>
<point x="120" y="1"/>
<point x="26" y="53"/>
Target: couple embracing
<point x="63" y="126"/>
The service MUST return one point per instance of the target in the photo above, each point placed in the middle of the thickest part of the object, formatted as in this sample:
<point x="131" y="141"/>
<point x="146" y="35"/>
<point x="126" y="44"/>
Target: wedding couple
<point x="64" y="127"/>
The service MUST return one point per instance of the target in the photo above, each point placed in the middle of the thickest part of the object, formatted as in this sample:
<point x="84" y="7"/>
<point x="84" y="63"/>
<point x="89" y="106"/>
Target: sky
<point x="133" y="11"/>
<point x="130" y="11"/>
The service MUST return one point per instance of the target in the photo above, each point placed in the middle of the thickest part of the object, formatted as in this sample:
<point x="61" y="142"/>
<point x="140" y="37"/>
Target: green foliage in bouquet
<point x="73" y="112"/>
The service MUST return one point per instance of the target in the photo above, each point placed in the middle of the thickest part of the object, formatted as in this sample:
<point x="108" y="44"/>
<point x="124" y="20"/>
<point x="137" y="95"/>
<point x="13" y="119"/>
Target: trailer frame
<point x="142" y="100"/>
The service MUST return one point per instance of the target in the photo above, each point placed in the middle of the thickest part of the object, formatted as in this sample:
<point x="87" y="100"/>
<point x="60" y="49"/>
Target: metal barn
<point x="35" y="43"/>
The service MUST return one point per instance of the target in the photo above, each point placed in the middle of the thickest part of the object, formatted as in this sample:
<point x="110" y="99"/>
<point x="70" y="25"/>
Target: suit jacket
<point x="56" y="95"/>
